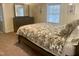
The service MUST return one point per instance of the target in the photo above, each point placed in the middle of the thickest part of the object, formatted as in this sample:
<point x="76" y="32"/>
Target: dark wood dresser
<point x="22" y="20"/>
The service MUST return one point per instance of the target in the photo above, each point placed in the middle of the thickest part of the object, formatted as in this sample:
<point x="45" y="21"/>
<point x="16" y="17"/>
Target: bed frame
<point x="38" y="49"/>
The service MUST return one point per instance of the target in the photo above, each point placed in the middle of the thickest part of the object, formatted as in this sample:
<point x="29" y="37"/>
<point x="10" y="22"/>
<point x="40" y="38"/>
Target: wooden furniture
<point x="42" y="52"/>
<point x="22" y="20"/>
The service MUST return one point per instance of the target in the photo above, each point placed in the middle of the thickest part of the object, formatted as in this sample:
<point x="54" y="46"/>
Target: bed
<point x="49" y="39"/>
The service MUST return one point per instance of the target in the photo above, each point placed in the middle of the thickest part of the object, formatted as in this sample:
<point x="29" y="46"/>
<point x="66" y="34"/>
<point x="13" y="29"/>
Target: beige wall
<point x="69" y="17"/>
<point x="42" y="16"/>
<point x="66" y="17"/>
<point x="8" y="12"/>
<point x="8" y="17"/>
<point x="26" y="9"/>
<point x="39" y="11"/>
<point x="34" y="10"/>
<point x="76" y="11"/>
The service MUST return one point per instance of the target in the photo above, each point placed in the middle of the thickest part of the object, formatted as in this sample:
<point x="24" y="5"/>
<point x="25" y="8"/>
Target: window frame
<point x="54" y="14"/>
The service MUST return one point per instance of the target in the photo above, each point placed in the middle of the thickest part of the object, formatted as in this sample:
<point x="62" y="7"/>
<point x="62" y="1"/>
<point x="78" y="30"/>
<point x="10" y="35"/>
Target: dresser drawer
<point x="20" y="21"/>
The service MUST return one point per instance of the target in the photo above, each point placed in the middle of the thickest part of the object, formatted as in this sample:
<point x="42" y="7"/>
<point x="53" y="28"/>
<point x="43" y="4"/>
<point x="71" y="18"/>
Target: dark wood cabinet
<point x="22" y="20"/>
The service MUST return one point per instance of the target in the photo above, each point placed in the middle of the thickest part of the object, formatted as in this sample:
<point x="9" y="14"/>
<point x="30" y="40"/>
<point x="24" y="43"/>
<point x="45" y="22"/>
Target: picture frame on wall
<point x="71" y="9"/>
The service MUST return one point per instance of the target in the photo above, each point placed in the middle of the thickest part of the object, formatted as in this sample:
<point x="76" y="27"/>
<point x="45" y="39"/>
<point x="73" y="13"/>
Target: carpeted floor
<point x="10" y="47"/>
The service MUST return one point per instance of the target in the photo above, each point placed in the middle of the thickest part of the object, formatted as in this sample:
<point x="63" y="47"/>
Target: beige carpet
<point x="10" y="47"/>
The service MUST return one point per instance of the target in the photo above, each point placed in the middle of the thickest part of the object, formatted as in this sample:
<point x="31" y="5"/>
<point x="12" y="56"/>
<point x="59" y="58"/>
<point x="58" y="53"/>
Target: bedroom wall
<point x="39" y="11"/>
<point x="8" y="17"/>
<point x="66" y="17"/>
<point x="30" y="10"/>
<point x="36" y="10"/>
<point x="8" y="13"/>
<point x="71" y="16"/>
<point x="76" y="11"/>
<point x="63" y="13"/>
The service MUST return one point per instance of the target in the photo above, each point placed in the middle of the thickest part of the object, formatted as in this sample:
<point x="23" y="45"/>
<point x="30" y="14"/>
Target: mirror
<point x="19" y="9"/>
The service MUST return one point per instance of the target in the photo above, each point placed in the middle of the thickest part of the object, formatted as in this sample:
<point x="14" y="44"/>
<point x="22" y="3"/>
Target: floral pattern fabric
<point x="45" y="35"/>
<point x="49" y="37"/>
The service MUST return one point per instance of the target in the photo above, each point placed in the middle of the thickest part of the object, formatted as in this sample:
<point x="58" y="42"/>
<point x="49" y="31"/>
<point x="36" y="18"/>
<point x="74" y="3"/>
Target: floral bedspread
<point x="49" y="37"/>
<point x="45" y="35"/>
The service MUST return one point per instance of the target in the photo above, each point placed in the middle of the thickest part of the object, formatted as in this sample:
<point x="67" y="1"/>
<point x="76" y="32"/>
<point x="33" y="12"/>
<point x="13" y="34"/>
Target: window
<point x="19" y="10"/>
<point x="53" y="13"/>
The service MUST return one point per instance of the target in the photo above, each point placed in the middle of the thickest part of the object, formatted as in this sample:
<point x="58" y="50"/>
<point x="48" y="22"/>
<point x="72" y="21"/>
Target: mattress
<point x="49" y="37"/>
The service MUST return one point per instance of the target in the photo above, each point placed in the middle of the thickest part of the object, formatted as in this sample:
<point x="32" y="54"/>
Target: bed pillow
<point x="74" y="37"/>
<point x="69" y="28"/>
